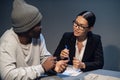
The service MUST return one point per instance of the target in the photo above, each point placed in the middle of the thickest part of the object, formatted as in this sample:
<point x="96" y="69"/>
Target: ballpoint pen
<point x="68" y="58"/>
<point x="66" y="46"/>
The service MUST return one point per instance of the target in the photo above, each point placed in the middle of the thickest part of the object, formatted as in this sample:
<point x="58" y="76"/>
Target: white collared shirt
<point x="79" y="55"/>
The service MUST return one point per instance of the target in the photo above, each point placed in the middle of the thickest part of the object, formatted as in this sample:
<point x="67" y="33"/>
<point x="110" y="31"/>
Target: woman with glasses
<point x="81" y="47"/>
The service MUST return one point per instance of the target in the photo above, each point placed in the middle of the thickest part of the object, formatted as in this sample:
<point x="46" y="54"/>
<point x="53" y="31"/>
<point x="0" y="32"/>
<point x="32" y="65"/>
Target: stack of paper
<point x="92" y="76"/>
<point x="70" y="71"/>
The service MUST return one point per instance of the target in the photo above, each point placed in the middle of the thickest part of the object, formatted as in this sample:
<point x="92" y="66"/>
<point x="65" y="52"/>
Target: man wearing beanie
<point x="22" y="48"/>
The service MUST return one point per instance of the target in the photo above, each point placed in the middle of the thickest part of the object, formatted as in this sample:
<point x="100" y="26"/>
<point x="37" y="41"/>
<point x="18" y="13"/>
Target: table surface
<point x="80" y="76"/>
<point x="100" y="71"/>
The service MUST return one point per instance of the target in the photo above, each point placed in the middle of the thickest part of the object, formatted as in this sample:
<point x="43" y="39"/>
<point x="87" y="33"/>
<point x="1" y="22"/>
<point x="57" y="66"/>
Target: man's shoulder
<point x="8" y="37"/>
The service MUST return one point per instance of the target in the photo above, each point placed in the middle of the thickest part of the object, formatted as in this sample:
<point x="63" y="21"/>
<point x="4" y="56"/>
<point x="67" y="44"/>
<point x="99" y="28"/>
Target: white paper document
<point x="70" y="71"/>
<point x="92" y="76"/>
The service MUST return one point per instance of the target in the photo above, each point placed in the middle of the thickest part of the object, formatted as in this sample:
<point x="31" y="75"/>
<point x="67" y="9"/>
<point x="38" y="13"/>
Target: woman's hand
<point x="64" y="54"/>
<point x="78" y="64"/>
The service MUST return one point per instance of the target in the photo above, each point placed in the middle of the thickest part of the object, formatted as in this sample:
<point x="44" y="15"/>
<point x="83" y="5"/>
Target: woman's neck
<point x="80" y="39"/>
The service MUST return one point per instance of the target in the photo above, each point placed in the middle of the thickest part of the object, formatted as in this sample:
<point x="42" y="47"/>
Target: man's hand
<point x="61" y="66"/>
<point x="49" y="63"/>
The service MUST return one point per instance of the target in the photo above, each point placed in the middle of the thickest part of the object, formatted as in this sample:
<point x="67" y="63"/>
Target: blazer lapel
<point x="72" y="42"/>
<point x="89" y="48"/>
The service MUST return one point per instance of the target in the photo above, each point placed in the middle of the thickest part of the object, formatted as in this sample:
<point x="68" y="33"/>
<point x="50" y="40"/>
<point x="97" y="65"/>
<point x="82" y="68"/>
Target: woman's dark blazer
<point x="93" y="54"/>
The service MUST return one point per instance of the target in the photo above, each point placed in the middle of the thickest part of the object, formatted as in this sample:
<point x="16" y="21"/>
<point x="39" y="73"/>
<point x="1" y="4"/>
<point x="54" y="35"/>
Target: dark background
<point x="58" y="16"/>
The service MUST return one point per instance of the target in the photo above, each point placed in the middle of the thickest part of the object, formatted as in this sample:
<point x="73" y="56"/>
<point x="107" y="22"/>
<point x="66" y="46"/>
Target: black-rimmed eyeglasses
<point x="80" y="26"/>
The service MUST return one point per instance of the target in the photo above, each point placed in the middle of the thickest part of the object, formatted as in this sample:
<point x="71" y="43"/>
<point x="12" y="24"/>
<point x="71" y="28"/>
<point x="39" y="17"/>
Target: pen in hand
<point x="66" y="46"/>
<point x="68" y="58"/>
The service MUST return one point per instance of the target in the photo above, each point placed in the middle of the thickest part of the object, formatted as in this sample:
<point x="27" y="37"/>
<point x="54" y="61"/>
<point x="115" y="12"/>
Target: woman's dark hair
<point x="89" y="16"/>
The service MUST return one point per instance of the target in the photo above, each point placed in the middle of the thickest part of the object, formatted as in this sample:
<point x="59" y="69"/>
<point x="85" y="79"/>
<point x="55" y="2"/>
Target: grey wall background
<point x="58" y="16"/>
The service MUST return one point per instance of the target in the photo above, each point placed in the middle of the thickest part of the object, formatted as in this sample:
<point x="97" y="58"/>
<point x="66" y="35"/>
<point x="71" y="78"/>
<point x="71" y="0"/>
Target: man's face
<point x="35" y="31"/>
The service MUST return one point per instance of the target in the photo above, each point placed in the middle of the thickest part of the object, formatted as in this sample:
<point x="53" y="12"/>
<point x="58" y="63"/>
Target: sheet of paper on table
<point x="70" y="71"/>
<point x="92" y="76"/>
